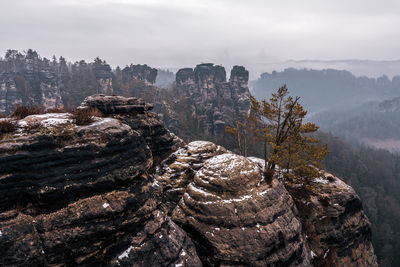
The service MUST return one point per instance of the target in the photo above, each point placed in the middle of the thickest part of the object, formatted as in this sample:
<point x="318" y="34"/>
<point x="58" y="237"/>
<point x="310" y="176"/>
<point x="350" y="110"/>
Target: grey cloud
<point x="185" y="32"/>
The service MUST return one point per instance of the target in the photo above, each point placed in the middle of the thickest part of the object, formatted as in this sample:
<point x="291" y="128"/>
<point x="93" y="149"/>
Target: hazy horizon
<point x="260" y="35"/>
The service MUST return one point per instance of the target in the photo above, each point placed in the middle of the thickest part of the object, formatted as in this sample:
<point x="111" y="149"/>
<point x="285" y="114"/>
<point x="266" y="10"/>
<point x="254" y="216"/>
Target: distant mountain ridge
<point x="326" y="89"/>
<point x="359" y="67"/>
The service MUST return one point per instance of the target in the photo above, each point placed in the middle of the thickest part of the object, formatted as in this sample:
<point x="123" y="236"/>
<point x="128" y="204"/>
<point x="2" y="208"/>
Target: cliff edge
<point x="123" y="190"/>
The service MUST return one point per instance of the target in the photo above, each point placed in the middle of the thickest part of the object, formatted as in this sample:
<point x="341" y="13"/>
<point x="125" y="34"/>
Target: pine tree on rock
<point x="288" y="143"/>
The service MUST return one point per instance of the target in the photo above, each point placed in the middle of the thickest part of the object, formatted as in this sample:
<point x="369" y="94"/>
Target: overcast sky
<point x="182" y="33"/>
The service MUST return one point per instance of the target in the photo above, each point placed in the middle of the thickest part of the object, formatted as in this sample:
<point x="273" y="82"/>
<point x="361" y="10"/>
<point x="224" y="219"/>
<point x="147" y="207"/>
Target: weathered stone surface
<point x="185" y="76"/>
<point x="9" y="96"/>
<point x="236" y="219"/>
<point x="103" y="75"/>
<point x="208" y="99"/>
<point x="338" y="232"/>
<point x="166" y="244"/>
<point x="221" y="193"/>
<point x="109" y="105"/>
<point x="83" y="195"/>
<point x="134" y="112"/>
<point x="141" y="72"/>
<point x="96" y="195"/>
<point x="178" y="170"/>
<point x="28" y="80"/>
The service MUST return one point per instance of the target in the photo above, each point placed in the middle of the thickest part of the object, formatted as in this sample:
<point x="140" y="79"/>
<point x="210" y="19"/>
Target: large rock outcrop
<point x="136" y="113"/>
<point x="338" y="232"/>
<point x="28" y="79"/>
<point x="34" y="83"/>
<point x="96" y="195"/>
<point x="232" y="215"/>
<point x="85" y="195"/>
<point x="205" y="97"/>
<point x="9" y="95"/>
<point x="141" y="72"/>
<point x="103" y="75"/>
<point x="236" y="218"/>
<point x="179" y="169"/>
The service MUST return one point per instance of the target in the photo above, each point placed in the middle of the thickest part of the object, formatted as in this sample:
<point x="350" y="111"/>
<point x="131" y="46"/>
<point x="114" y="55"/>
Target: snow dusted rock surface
<point x="236" y="220"/>
<point x="96" y="195"/>
<point x="136" y="113"/>
<point x="85" y="195"/>
<point x="178" y="170"/>
<point x="338" y="232"/>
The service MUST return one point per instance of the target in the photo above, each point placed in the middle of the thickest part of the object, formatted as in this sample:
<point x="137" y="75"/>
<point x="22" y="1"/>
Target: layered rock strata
<point x="179" y="169"/>
<point x="221" y="193"/>
<point x="211" y="101"/>
<point x="338" y="232"/>
<point x="84" y="195"/>
<point x="95" y="195"/>
<point x="9" y="95"/>
<point x="136" y="113"/>
<point x="103" y="75"/>
<point x="141" y="72"/>
<point x="237" y="219"/>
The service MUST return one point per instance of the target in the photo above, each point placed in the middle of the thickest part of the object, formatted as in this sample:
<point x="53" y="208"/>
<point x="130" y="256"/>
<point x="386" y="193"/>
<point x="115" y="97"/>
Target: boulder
<point x="237" y="219"/>
<point x="85" y="195"/>
<point x="338" y="231"/>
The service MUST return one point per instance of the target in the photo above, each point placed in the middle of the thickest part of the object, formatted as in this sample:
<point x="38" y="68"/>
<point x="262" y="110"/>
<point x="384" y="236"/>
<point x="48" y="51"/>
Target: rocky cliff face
<point x="9" y="95"/>
<point x="235" y="218"/>
<point x="122" y="190"/>
<point x="338" y="232"/>
<point x="201" y="102"/>
<point x="103" y="74"/>
<point x="141" y="72"/>
<point x="85" y="195"/>
<point x="28" y="79"/>
<point x="35" y="83"/>
<point x="209" y="100"/>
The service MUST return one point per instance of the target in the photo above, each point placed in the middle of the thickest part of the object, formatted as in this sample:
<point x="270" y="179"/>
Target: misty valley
<point x="103" y="165"/>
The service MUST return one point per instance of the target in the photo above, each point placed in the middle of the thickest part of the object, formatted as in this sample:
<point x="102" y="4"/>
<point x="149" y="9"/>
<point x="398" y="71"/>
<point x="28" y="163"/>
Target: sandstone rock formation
<point x="200" y="103"/>
<point x="179" y="169"/>
<point x="135" y="113"/>
<point x="103" y="74"/>
<point x="32" y="83"/>
<point x="221" y="193"/>
<point x="234" y="218"/>
<point x="338" y="232"/>
<point x="28" y="79"/>
<point x="141" y="72"/>
<point x="85" y="195"/>
<point x="209" y="100"/>
<point x="241" y="223"/>
<point x="9" y="96"/>
<point x="124" y="191"/>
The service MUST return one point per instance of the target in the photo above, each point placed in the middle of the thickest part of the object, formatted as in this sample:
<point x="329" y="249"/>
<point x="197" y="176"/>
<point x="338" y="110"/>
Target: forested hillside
<point x="27" y="78"/>
<point x="360" y="110"/>
<point x="370" y="124"/>
<point x="375" y="175"/>
<point x="327" y="89"/>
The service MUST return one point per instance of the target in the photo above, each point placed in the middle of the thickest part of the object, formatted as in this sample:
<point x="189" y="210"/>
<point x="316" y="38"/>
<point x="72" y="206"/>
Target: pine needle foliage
<point x="288" y="141"/>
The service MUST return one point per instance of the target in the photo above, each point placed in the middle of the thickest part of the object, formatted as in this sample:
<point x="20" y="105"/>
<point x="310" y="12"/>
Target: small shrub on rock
<point x="85" y="116"/>
<point x="57" y="110"/>
<point x="7" y="126"/>
<point x="21" y="111"/>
